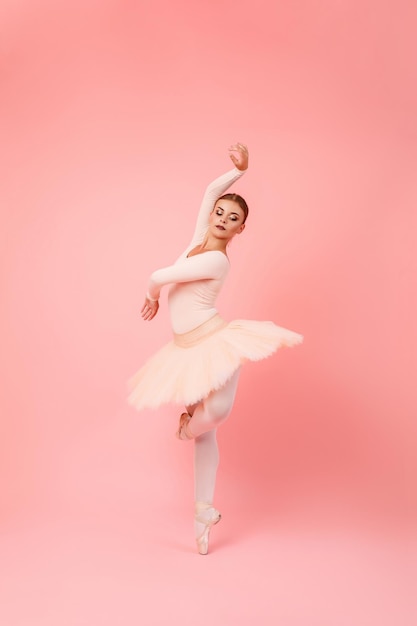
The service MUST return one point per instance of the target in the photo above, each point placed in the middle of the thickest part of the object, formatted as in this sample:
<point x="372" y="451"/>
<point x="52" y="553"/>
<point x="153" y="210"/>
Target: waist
<point x="198" y="334"/>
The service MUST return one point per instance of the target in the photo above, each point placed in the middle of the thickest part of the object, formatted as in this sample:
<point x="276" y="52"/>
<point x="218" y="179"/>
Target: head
<point x="228" y="216"/>
<point x="234" y="197"/>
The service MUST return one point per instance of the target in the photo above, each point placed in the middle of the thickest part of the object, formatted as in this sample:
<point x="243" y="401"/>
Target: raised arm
<point x="240" y="157"/>
<point x="196" y="267"/>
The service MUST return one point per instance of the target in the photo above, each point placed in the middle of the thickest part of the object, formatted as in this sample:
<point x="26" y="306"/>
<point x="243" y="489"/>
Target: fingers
<point x="239" y="147"/>
<point x="149" y="310"/>
<point x="241" y="157"/>
<point x="148" y="315"/>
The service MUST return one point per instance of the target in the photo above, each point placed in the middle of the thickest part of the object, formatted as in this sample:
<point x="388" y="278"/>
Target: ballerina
<point x="200" y="367"/>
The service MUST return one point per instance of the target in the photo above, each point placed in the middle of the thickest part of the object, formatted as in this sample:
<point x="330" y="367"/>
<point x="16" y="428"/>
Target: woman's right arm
<point x="197" y="269"/>
<point x="240" y="157"/>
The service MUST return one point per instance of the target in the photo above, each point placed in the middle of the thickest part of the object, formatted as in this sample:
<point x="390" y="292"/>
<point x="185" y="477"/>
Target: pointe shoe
<point x="183" y="431"/>
<point x="206" y="514"/>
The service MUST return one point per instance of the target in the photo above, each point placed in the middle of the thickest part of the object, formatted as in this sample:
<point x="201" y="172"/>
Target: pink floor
<point x="110" y="542"/>
<point x="138" y="566"/>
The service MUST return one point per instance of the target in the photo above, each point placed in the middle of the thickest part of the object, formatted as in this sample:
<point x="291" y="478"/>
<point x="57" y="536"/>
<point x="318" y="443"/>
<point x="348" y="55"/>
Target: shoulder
<point x="216" y="260"/>
<point x="222" y="256"/>
<point x="212" y="256"/>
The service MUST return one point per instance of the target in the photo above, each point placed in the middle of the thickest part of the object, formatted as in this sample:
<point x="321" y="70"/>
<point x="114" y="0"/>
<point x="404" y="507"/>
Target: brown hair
<point x="239" y="200"/>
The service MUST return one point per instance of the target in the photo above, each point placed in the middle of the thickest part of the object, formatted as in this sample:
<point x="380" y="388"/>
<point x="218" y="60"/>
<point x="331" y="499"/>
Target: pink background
<point x="114" y="117"/>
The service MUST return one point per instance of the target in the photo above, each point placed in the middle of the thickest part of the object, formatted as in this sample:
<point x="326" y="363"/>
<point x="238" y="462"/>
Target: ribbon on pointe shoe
<point x="203" y="516"/>
<point x="183" y="431"/>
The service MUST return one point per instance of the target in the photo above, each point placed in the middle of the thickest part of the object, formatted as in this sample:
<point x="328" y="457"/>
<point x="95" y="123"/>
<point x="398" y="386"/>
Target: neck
<point x="210" y="243"/>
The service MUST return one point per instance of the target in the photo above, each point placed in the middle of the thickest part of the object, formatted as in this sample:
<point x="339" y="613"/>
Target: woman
<point x="200" y="367"/>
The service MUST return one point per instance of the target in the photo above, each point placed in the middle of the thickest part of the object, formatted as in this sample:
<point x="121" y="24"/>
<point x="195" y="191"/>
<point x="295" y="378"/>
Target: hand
<point x="149" y="309"/>
<point x="240" y="156"/>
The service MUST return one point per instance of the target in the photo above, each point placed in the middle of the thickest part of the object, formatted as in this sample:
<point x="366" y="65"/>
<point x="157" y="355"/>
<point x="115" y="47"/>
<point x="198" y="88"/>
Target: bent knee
<point x="217" y="409"/>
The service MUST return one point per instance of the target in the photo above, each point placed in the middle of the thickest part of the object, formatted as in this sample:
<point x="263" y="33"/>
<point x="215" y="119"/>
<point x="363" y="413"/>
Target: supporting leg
<point x="206" y="416"/>
<point x="214" y="409"/>
<point x="206" y="462"/>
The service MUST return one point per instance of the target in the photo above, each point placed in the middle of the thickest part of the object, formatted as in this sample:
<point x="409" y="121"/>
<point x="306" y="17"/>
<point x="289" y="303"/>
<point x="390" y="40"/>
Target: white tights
<point x="206" y="416"/>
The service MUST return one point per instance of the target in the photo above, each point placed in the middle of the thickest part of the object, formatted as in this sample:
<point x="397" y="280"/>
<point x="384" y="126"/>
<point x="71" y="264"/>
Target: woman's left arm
<point x="212" y="264"/>
<point x="149" y="309"/>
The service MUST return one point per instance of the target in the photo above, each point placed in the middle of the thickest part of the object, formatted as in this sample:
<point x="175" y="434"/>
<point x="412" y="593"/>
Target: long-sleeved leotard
<point x="197" y="280"/>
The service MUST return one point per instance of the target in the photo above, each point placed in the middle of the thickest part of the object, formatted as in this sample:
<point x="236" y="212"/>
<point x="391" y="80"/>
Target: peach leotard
<point x="197" y="280"/>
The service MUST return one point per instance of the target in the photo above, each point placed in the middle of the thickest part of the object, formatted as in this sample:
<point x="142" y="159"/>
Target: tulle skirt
<point x="193" y="364"/>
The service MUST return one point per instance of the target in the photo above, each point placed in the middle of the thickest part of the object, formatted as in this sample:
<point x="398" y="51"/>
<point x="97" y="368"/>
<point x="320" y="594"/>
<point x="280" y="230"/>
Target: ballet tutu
<point x="193" y="364"/>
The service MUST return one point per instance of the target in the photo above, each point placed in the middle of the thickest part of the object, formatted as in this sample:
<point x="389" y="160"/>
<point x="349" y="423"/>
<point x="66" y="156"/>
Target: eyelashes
<point x="232" y="217"/>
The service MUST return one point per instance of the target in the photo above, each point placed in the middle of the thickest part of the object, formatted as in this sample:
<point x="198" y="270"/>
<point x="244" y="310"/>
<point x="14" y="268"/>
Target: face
<point x="226" y="219"/>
